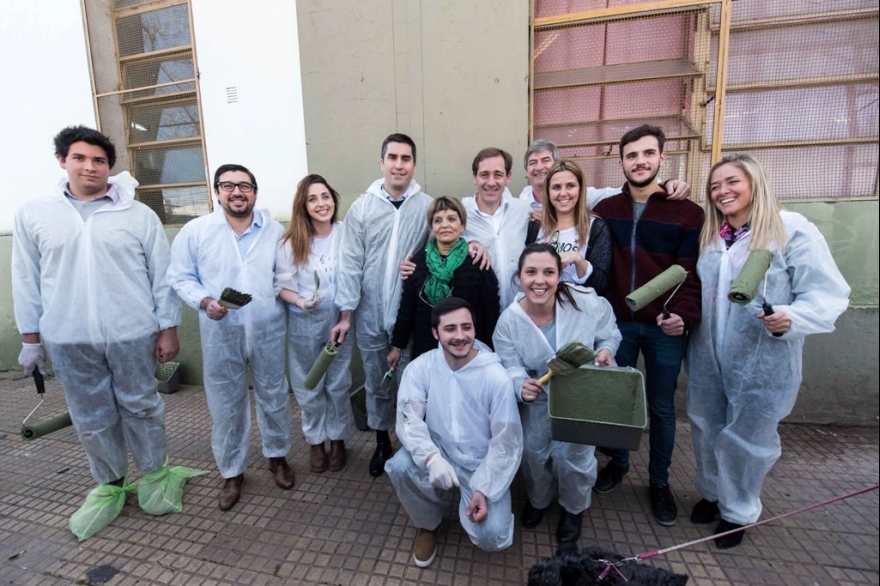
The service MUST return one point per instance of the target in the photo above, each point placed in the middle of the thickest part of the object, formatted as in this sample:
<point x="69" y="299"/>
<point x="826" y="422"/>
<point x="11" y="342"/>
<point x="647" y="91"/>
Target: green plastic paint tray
<point x="599" y="406"/>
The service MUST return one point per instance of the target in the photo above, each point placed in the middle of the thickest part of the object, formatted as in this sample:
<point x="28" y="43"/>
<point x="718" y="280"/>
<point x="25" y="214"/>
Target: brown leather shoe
<point x="424" y="547"/>
<point x="337" y="455"/>
<point x="318" y="458"/>
<point x="231" y="492"/>
<point x="284" y="476"/>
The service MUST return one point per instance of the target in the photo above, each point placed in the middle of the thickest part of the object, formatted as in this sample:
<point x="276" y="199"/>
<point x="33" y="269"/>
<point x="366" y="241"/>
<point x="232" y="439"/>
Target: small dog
<point x="584" y="569"/>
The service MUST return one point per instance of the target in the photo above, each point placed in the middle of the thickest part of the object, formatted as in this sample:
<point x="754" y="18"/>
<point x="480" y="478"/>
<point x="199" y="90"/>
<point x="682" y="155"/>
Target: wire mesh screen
<point x="801" y="94"/>
<point x="592" y="83"/>
<point x="145" y="81"/>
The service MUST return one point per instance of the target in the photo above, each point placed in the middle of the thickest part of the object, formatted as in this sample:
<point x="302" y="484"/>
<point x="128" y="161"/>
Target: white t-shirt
<point x="302" y="279"/>
<point x="567" y="240"/>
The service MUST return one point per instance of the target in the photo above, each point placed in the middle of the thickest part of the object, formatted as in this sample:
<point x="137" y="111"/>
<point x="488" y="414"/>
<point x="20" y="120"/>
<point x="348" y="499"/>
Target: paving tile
<point x="348" y="528"/>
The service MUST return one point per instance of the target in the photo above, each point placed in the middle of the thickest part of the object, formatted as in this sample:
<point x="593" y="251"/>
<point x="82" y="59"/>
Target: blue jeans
<point x="663" y="355"/>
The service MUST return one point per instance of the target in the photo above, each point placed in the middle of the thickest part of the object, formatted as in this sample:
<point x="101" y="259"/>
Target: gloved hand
<point x="311" y="303"/>
<point x="441" y="474"/>
<point x="32" y="356"/>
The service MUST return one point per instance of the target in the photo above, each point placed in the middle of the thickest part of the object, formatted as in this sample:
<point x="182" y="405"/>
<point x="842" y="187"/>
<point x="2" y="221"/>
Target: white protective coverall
<point x="524" y="351"/>
<point x="376" y="238"/>
<point x="205" y="260"/>
<point x="594" y="196"/>
<point x="469" y="418"/>
<point x="742" y="380"/>
<point x="96" y="292"/>
<point x="326" y="409"/>
<point x="504" y="243"/>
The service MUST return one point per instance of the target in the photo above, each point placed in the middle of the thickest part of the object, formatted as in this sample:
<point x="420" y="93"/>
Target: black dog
<point x="585" y="569"/>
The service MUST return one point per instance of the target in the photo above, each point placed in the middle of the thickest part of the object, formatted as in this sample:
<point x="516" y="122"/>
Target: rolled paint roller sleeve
<point x="656" y="287"/>
<point x="30" y="432"/>
<point x="745" y="287"/>
<point x="328" y="353"/>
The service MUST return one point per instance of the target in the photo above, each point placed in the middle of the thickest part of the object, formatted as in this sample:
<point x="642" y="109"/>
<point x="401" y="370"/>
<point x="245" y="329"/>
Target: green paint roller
<point x="328" y="353"/>
<point x="674" y="276"/>
<point x="571" y="356"/>
<point x="745" y="287"/>
<point x="30" y="432"/>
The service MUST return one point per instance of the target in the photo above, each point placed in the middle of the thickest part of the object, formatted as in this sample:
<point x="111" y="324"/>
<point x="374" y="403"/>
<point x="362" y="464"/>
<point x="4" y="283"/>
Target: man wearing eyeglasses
<point x="234" y="247"/>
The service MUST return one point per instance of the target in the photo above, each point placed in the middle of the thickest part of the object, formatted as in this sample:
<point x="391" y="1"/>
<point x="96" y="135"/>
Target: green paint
<point x="599" y="394"/>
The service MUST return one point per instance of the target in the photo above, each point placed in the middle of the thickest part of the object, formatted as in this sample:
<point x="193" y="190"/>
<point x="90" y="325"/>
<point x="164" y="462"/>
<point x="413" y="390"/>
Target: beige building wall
<point x="453" y="75"/>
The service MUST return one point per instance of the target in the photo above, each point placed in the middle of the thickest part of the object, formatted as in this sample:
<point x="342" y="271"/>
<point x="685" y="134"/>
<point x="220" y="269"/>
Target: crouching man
<point x="458" y="423"/>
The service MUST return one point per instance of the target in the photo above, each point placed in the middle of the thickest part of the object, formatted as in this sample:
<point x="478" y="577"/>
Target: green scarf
<point x="441" y="269"/>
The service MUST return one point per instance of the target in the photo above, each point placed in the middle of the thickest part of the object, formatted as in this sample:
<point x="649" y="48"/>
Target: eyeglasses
<point x="229" y="186"/>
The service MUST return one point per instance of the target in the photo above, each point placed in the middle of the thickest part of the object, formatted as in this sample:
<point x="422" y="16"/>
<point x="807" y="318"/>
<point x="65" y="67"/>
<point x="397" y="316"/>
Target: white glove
<point x="32" y="356"/>
<point x="441" y="474"/>
<point x="310" y="303"/>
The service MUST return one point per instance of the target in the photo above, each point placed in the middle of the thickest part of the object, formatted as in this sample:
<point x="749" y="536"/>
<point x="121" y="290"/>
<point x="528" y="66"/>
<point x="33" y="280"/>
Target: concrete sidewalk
<point x="346" y="528"/>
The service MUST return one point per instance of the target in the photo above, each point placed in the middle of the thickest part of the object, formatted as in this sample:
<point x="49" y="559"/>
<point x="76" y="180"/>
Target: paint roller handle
<point x="666" y="314"/>
<point x="768" y="310"/>
<point x="39" y="381"/>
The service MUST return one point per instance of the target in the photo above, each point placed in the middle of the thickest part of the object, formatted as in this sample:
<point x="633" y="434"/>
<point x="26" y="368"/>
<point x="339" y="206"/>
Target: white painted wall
<point x="45" y="88"/>
<point x="256" y="50"/>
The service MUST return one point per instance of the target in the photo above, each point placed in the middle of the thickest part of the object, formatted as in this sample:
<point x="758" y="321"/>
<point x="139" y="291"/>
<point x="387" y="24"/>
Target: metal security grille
<point x="147" y="98"/>
<point x="793" y="83"/>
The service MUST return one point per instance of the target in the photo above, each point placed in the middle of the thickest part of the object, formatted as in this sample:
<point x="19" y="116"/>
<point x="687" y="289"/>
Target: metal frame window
<point x="793" y="83"/>
<point x="147" y="97"/>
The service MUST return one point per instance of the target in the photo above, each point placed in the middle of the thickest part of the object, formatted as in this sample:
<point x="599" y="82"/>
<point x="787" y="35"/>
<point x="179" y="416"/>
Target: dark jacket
<point x="477" y="287"/>
<point x="667" y="233"/>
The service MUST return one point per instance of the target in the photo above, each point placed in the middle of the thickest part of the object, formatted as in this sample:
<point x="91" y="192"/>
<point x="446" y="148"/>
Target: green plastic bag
<point x="102" y="506"/>
<point x="161" y="492"/>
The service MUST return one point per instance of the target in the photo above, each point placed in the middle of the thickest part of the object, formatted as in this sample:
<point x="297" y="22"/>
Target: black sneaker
<point x="568" y="530"/>
<point x="728" y="541"/>
<point x="704" y="512"/>
<point x="381" y="454"/>
<point x="663" y="505"/>
<point x="609" y="477"/>
<point x="531" y="516"/>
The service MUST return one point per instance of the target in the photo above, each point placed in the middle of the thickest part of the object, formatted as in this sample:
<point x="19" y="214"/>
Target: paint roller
<point x="674" y="276"/>
<point x="328" y="353"/>
<point x="745" y="287"/>
<point x="30" y="432"/>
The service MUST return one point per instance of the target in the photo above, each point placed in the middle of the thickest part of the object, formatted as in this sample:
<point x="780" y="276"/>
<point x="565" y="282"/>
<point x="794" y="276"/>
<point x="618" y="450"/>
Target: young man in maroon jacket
<point x="650" y="233"/>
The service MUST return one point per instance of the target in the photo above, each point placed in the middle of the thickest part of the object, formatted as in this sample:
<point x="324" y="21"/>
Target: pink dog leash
<point x="612" y="566"/>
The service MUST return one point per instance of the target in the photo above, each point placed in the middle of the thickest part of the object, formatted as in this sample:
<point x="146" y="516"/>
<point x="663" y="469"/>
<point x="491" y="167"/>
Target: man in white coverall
<point x="381" y="228"/>
<point x="235" y="247"/>
<point x="458" y="422"/>
<point x="88" y="280"/>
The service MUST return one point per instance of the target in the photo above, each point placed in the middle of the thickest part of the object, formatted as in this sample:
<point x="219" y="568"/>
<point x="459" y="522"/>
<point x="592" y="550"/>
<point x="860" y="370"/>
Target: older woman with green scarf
<point x="443" y="270"/>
